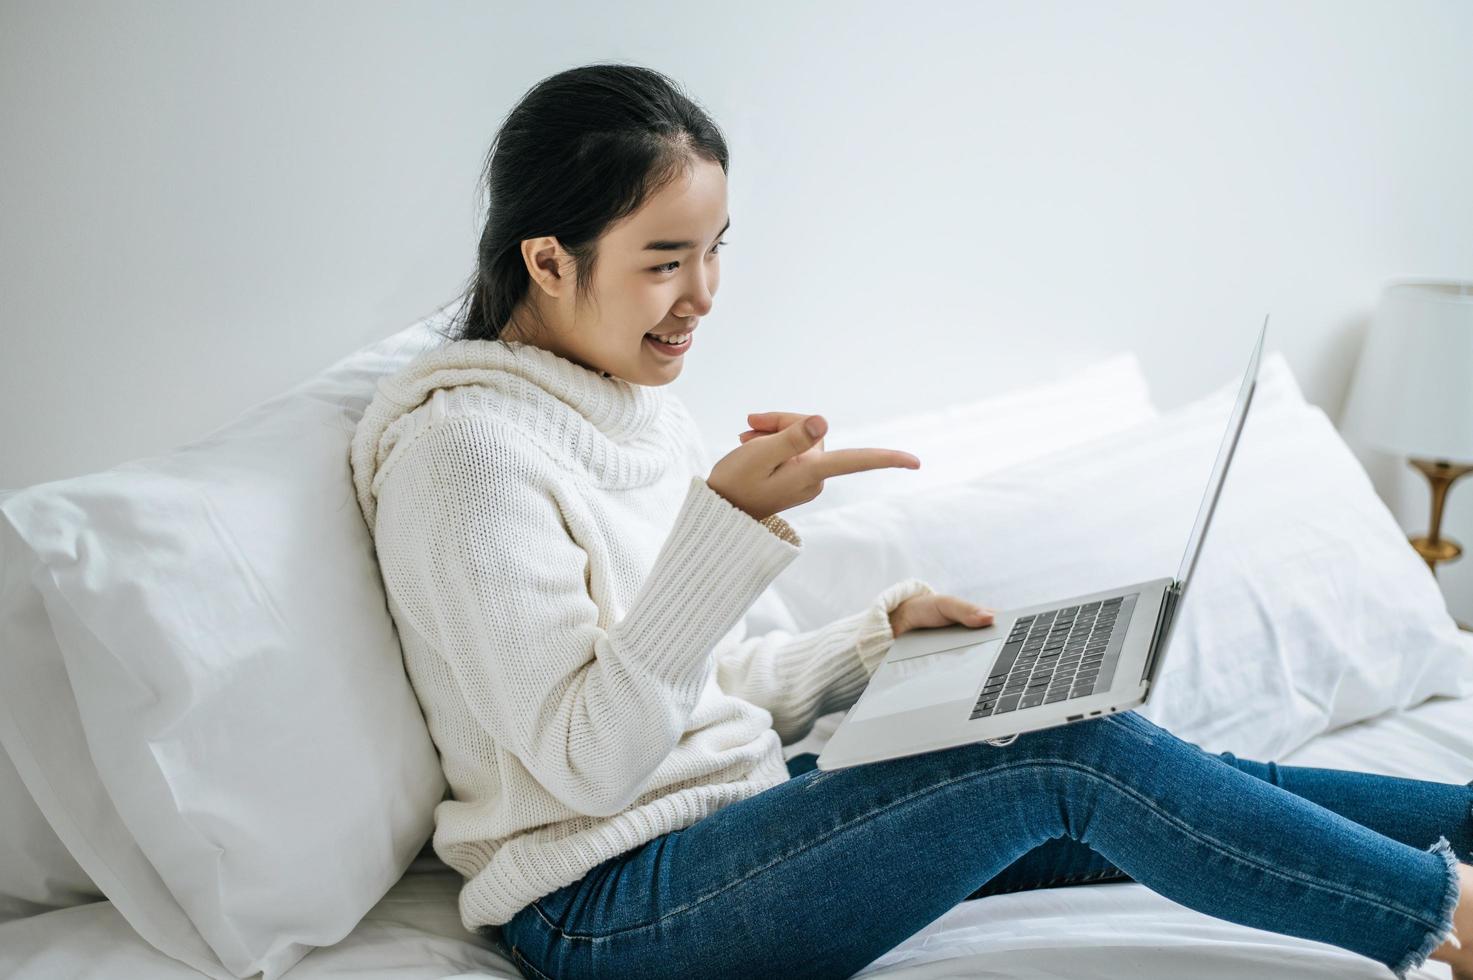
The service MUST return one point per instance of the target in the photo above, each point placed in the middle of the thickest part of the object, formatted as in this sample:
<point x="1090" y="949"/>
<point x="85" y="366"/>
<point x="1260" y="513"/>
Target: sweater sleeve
<point x="800" y="678"/>
<point x="476" y="553"/>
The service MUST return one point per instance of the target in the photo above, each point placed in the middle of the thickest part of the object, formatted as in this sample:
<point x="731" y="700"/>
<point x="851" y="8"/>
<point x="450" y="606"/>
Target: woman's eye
<point x="672" y="266"/>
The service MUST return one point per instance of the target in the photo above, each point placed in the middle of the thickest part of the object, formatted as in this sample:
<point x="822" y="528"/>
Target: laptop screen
<point x="1224" y="457"/>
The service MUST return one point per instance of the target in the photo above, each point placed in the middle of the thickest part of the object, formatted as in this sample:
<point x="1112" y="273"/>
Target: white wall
<point x="205" y="203"/>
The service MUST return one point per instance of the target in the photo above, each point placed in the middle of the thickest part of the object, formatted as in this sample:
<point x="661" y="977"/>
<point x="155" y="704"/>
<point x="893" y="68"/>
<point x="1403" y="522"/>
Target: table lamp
<point x="1412" y="393"/>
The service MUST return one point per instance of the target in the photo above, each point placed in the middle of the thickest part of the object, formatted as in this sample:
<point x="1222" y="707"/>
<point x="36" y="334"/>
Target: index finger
<point x="838" y="461"/>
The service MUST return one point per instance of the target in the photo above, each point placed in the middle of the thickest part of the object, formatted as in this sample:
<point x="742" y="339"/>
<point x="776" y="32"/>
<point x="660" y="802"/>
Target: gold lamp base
<point x="1434" y="548"/>
<point x="1432" y="552"/>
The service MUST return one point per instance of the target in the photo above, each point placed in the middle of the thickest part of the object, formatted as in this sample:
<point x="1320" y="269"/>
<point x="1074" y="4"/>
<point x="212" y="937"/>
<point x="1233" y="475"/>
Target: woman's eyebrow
<point x="664" y="246"/>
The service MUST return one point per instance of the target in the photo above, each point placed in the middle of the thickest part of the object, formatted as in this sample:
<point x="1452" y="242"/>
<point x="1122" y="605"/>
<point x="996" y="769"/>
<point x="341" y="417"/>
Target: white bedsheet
<point x="1090" y="932"/>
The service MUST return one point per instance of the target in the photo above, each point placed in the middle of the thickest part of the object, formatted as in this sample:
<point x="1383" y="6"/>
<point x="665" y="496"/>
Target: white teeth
<point x="674" y="339"/>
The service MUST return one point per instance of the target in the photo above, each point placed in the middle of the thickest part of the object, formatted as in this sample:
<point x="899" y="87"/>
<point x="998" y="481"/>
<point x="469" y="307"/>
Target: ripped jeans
<point x="876" y="852"/>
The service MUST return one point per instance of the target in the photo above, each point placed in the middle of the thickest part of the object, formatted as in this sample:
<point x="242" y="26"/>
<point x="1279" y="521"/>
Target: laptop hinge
<point x="1165" y="619"/>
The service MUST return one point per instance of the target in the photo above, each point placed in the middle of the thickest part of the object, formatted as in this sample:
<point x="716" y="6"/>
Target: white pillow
<point x="969" y="440"/>
<point x="1307" y="610"/>
<point x="42" y="734"/>
<point x="231" y="748"/>
<point x="37" y="872"/>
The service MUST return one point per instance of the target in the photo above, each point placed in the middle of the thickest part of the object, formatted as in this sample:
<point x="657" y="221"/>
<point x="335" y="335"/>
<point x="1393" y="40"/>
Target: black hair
<point x="579" y="151"/>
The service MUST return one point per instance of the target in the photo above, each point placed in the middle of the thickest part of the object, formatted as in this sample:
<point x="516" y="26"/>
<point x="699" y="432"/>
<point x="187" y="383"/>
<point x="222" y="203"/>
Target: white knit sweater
<point x="569" y="595"/>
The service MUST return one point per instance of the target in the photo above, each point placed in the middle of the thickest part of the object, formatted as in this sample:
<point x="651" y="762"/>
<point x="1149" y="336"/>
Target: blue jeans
<point x="874" y="853"/>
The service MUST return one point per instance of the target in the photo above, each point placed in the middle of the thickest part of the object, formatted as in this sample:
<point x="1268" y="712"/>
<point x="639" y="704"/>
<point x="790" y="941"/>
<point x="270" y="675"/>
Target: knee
<point x="1101" y="738"/>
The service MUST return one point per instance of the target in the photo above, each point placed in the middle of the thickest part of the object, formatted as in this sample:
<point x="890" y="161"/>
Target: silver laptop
<point x="1036" y="667"/>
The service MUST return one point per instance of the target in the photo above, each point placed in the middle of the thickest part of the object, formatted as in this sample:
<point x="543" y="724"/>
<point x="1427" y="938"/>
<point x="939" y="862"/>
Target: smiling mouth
<point x="670" y="350"/>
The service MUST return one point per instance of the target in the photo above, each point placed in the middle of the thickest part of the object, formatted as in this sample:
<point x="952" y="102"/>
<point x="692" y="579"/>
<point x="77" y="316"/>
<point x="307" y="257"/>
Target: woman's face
<point x="657" y="272"/>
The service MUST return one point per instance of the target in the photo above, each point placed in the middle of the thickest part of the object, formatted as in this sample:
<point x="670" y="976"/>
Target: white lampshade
<point x="1412" y="393"/>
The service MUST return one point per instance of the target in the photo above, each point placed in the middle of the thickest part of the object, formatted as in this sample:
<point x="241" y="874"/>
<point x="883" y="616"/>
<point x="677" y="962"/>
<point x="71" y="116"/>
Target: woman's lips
<point x="667" y="349"/>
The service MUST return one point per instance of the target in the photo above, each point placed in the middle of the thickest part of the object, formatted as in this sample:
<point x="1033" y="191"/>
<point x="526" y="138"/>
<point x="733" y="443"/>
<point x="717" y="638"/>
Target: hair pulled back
<point x="580" y="151"/>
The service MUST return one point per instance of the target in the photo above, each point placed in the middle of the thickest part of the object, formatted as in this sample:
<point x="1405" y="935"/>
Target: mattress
<point x="1087" y="932"/>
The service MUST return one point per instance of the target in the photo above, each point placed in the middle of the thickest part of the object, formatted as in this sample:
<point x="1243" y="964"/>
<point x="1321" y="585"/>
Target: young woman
<point x="568" y="575"/>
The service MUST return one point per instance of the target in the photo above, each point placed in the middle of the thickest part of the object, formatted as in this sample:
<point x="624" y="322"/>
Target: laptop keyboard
<point x="1056" y="656"/>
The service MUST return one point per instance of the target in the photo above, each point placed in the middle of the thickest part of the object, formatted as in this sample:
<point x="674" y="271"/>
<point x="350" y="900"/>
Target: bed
<point x="1113" y="930"/>
<point x="158" y="821"/>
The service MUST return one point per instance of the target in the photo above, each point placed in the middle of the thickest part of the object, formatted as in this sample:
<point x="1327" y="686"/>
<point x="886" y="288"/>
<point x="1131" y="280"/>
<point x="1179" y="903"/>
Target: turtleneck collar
<point x="620" y="409"/>
<point x="621" y="433"/>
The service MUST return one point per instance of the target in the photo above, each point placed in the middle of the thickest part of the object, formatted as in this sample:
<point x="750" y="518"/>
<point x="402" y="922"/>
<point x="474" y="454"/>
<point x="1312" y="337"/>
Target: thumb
<point x="794" y="439"/>
<point x="807" y="431"/>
